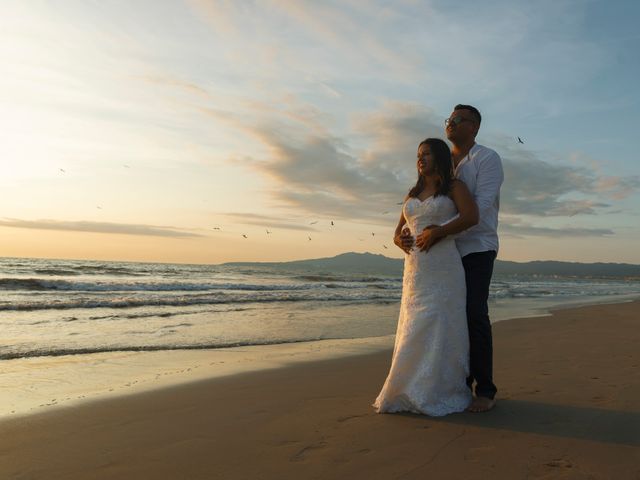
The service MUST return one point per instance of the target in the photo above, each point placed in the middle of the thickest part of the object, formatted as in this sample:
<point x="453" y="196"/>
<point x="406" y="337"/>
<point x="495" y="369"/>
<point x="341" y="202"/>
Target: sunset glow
<point x="165" y="131"/>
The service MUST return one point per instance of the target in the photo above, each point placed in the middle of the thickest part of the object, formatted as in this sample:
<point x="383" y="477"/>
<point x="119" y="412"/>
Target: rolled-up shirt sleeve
<point x="488" y="182"/>
<point x="482" y="171"/>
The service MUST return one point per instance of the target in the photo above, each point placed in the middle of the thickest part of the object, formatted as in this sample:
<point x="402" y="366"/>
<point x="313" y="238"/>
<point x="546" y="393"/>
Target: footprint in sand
<point x="350" y="455"/>
<point x="559" y="463"/>
<point x="556" y="468"/>
<point x="477" y="454"/>
<point x="301" y="455"/>
<point x="349" y="417"/>
<point x="284" y="443"/>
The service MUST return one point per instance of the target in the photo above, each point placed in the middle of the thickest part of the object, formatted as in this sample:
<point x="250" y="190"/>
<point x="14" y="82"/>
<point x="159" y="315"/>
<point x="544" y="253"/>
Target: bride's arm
<point x="467" y="217"/>
<point x="405" y="242"/>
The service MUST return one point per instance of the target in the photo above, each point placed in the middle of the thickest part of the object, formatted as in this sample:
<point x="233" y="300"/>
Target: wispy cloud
<point x="326" y="27"/>
<point x="267" y="221"/>
<point x="521" y="230"/>
<point x="99" y="227"/>
<point x="372" y="166"/>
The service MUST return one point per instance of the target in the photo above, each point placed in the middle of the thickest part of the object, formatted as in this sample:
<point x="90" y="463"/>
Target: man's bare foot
<point x="481" y="404"/>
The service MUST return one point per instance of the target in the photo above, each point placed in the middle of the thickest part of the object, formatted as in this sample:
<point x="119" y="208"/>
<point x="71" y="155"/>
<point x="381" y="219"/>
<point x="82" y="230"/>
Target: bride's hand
<point x="404" y="240"/>
<point x="428" y="238"/>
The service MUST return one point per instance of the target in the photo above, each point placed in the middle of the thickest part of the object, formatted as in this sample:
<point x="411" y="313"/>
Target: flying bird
<point x="313" y="223"/>
<point x="216" y="228"/>
<point x="385" y="246"/>
<point x="309" y="238"/>
<point x="244" y="236"/>
<point x="373" y="234"/>
<point x="62" y="170"/>
<point x="268" y="232"/>
<point x="332" y="223"/>
<point x="520" y="140"/>
<point x="98" y="207"/>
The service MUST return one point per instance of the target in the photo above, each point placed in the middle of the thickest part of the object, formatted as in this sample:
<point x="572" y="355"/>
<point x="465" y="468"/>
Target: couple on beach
<point x="443" y="345"/>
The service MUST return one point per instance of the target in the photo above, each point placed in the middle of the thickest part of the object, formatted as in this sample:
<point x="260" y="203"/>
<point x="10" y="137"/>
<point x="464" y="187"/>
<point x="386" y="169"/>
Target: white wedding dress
<point x="430" y="360"/>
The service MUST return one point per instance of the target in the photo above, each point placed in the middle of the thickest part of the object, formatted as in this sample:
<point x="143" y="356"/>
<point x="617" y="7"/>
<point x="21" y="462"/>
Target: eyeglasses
<point x="455" y="121"/>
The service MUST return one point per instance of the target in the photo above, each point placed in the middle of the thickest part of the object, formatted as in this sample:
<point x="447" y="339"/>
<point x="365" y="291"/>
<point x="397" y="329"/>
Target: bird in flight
<point x="332" y="223"/>
<point x="244" y="236"/>
<point x="268" y="232"/>
<point x="98" y="207"/>
<point x="309" y="238"/>
<point x="373" y="234"/>
<point x="520" y="140"/>
<point x="62" y="170"/>
<point x="216" y="228"/>
<point x="385" y="246"/>
<point x="313" y="223"/>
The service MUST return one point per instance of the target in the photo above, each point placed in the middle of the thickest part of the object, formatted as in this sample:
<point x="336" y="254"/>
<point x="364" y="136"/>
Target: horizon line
<point x="292" y="261"/>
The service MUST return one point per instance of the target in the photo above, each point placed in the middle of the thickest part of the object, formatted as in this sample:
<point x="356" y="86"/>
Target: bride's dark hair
<point x="442" y="167"/>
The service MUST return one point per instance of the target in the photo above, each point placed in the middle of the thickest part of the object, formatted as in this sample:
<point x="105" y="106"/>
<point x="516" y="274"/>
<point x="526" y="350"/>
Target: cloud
<point x="521" y="230"/>
<point x="618" y="187"/>
<point x="266" y="29"/>
<point x="371" y="167"/>
<point x="98" y="227"/>
<point x="171" y="81"/>
<point x="542" y="184"/>
<point x="267" y="221"/>
<point x="331" y="175"/>
<point x="535" y="187"/>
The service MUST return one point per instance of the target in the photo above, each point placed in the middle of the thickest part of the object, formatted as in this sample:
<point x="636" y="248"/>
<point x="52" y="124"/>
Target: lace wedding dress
<point x="430" y="359"/>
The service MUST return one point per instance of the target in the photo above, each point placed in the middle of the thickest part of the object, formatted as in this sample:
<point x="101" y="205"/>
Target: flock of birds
<point x="244" y="235"/>
<point x="331" y="222"/>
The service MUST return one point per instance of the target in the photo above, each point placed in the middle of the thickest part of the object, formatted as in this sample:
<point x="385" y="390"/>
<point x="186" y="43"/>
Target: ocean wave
<point x="55" y="271"/>
<point x="347" y="279"/>
<point x="57" y="352"/>
<point x="38" y="284"/>
<point x="221" y="298"/>
<point x="105" y="286"/>
<point x="108" y="270"/>
<point x="164" y="314"/>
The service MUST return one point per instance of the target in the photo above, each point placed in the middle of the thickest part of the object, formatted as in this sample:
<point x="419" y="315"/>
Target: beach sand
<point x="568" y="408"/>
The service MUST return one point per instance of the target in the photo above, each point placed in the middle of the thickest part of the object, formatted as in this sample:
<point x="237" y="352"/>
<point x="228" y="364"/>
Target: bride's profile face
<point x="424" y="163"/>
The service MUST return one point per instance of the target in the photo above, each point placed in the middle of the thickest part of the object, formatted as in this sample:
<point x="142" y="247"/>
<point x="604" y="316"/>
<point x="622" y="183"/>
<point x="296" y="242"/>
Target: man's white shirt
<point x="481" y="171"/>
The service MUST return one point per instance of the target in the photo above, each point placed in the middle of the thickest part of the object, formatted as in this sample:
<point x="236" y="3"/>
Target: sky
<point x="169" y="131"/>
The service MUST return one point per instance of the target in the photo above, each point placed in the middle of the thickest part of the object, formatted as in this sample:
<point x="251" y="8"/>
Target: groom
<point x="480" y="168"/>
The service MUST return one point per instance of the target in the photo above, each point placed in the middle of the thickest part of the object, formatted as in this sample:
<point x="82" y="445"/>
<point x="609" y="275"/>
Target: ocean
<point x="62" y="307"/>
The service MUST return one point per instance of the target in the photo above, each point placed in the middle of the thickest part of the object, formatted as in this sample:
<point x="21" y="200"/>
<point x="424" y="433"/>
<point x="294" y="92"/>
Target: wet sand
<point x="568" y="407"/>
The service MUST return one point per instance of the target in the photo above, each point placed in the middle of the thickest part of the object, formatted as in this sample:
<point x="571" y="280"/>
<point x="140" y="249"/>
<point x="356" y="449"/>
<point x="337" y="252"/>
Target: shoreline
<point x="36" y="385"/>
<point x="568" y="407"/>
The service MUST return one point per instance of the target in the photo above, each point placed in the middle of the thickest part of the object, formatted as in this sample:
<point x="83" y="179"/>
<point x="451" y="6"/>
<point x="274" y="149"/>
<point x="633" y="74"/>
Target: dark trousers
<point x="478" y="268"/>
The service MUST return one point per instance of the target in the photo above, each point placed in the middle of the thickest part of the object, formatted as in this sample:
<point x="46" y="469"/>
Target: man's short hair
<point x="474" y="111"/>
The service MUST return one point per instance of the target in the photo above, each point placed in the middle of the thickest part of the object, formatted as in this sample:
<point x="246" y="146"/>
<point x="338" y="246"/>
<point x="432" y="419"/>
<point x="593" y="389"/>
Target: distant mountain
<point x="351" y="262"/>
<point x="374" y="264"/>
<point x="538" y="267"/>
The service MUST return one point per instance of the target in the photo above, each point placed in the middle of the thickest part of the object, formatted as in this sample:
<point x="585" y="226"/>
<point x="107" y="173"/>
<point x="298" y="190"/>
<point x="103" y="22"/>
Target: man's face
<point x="461" y="127"/>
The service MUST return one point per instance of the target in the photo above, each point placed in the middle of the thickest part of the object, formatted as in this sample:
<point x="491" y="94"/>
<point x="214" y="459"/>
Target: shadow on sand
<point x="585" y="423"/>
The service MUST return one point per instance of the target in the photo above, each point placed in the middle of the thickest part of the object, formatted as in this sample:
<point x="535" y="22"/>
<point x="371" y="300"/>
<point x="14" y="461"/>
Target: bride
<point x="430" y="361"/>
